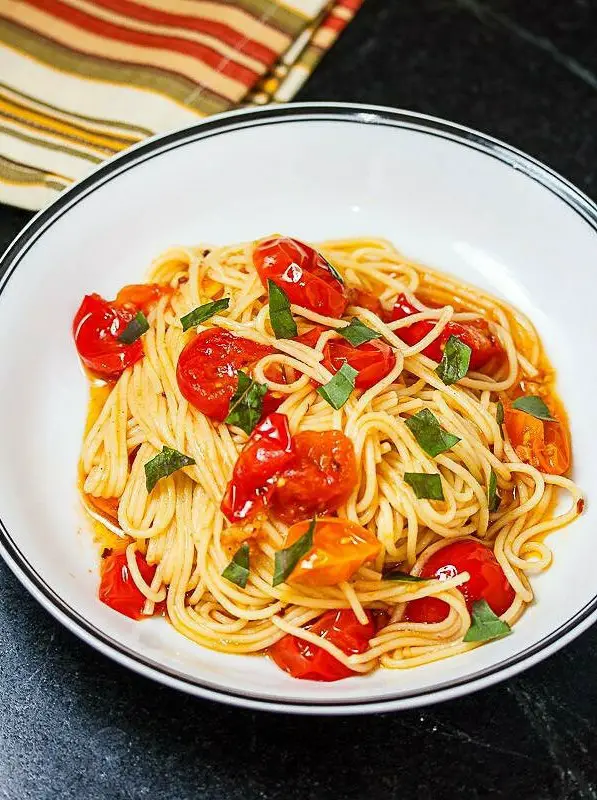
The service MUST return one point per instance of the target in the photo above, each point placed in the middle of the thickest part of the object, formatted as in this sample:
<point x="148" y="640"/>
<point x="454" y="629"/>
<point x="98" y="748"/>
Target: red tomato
<point x="96" y="327"/>
<point x="319" y="479"/>
<point x="263" y="458"/>
<point x="359" y="297"/>
<point x="309" y="662"/>
<point x="208" y="366"/>
<point x="141" y="295"/>
<point x="302" y="272"/>
<point x="117" y="588"/>
<point x="538" y="442"/>
<point x="487" y="581"/>
<point x="475" y="334"/>
<point x="372" y="360"/>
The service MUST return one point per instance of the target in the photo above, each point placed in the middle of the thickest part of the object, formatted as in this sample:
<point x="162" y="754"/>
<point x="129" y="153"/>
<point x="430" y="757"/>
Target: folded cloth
<point x="84" y="79"/>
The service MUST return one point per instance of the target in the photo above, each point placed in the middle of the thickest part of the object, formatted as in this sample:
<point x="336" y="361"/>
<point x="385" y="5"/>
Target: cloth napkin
<point x="84" y="79"/>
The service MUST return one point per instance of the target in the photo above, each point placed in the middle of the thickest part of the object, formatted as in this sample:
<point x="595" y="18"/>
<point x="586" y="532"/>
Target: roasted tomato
<point x="359" y="297"/>
<point x="543" y="444"/>
<point x="96" y="328"/>
<point x="340" y="547"/>
<point x="319" y="479"/>
<point x="117" y="588"/>
<point x="475" y="334"/>
<point x="372" y="360"/>
<point x="487" y="581"/>
<point x="264" y="457"/>
<point x="301" y="272"/>
<point x="141" y="296"/>
<point x="208" y="366"/>
<point x="311" y="663"/>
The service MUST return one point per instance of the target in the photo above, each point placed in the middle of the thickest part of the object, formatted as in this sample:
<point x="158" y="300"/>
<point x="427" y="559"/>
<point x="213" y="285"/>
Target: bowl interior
<point x="439" y="198"/>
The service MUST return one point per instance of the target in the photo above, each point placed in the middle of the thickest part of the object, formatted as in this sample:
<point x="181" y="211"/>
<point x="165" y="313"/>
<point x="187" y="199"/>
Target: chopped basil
<point x="203" y="313"/>
<point x="136" y="328"/>
<point x="357" y="333"/>
<point x="334" y="271"/>
<point x="238" y="570"/>
<point x="493" y="498"/>
<point x="338" y="390"/>
<point x="426" y="487"/>
<point x="534" y="406"/>
<point x="429" y="434"/>
<point x="455" y="361"/>
<point x="279" y="312"/>
<point x="246" y="404"/>
<point x="485" y="625"/>
<point x="164" y="464"/>
<point x="286" y="560"/>
<point x="397" y="575"/>
<point x="499" y="413"/>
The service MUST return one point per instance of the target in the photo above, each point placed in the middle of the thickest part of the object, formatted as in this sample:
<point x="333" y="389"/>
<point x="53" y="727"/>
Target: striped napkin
<point x="84" y="79"/>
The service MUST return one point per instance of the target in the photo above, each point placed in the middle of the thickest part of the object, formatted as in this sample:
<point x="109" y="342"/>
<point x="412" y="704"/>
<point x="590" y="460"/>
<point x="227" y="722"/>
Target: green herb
<point x="493" y="497"/>
<point x="428" y="433"/>
<point x="357" y="333"/>
<point x="397" y="575"/>
<point x="338" y="390"/>
<point x="136" y="328"/>
<point x="334" y="271"/>
<point x="426" y="487"/>
<point x="246" y="404"/>
<point x="455" y="361"/>
<point x="534" y="406"/>
<point x="286" y="560"/>
<point x="485" y="624"/>
<point x="164" y="464"/>
<point x="279" y="312"/>
<point x="499" y="413"/>
<point x="238" y="570"/>
<point x="204" y="312"/>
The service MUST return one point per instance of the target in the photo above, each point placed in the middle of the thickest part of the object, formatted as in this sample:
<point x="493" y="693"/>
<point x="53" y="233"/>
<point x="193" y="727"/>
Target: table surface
<point x="75" y="725"/>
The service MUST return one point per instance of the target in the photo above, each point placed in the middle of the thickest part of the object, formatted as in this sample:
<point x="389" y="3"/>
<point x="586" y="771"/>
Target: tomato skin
<point x="96" y="327"/>
<point x="487" y="580"/>
<point x="319" y="479"/>
<point x="117" y="588"/>
<point x="141" y="296"/>
<point x="301" y="272"/>
<point x="263" y="458"/>
<point x="309" y="662"/>
<point x="476" y="334"/>
<point x="340" y="548"/>
<point x="372" y="360"/>
<point x="538" y="442"/>
<point x="207" y="369"/>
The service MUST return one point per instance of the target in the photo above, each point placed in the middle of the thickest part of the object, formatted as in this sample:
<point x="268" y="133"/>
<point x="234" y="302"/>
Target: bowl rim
<point x="225" y="123"/>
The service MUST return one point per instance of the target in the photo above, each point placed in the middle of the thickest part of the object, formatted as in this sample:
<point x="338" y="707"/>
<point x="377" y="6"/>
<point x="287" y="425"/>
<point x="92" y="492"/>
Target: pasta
<point x="443" y="364"/>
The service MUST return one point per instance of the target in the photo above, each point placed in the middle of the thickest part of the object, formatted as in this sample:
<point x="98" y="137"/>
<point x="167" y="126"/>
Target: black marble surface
<point x="75" y="725"/>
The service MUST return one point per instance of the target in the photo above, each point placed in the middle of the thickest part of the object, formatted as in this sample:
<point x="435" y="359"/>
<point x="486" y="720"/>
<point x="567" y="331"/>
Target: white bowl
<point x="442" y="193"/>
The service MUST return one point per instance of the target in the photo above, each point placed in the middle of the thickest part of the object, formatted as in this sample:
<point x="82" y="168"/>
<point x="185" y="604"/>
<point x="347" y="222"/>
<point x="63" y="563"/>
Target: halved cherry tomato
<point x="340" y="547"/>
<point x="309" y="662"/>
<point x="372" y="360"/>
<point x="207" y="369"/>
<point x="117" y="588"/>
<point x="141" y="295"/>
<point x="487" y="581"/>
<point x="476" y="334"/>
<point x="319" y="479"/>
<point x="263" y="458"/>
<point x="96" y="327"/>
<point x="538" y="442"/>
<point x="302" y="272"/>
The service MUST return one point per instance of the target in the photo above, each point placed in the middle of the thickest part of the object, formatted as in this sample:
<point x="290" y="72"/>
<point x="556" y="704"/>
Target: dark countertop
<point x="75" y="725"/>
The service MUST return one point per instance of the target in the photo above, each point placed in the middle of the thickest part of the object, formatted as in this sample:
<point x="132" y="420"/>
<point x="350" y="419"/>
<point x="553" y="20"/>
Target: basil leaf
<point x="432" y="438"/>
<point x="485" y="625"/>
<point x="426" y="487"/>
<point x="238" y="570"/>
<point x="203" y="313"/>
<point x="534" y="406"/>
<point x="499" y="413"/>
<point x="164" y="464"/>
<point x="280" y="315"/>
<point x="338" y="390"/>
<point x="455" y="361"/>
<point x="493" y="498"/>
<point x="397" y="575"/>
<point x="246" y="404"/>
<point x="286" y="560"/>
<point x="357" y="332"/>
<point x="136" y="328"/>
<point x="333" y="270"/>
